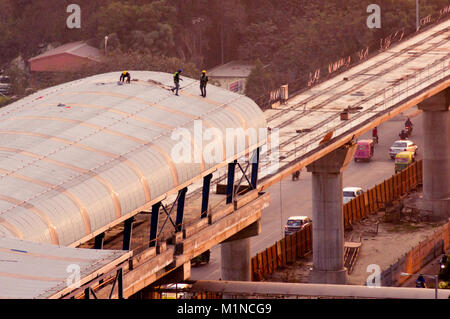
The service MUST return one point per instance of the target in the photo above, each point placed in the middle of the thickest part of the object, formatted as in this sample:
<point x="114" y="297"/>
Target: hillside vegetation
<point x="286" y="39"/>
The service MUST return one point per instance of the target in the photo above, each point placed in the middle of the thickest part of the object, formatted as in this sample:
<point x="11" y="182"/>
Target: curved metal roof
<point x="77" y="157"/>
<point x="35" y="270"/>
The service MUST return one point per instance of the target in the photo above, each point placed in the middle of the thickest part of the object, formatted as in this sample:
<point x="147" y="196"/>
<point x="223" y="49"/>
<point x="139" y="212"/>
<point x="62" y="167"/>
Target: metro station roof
<point x="82" y="156"/>
<point x="33" y="270"/>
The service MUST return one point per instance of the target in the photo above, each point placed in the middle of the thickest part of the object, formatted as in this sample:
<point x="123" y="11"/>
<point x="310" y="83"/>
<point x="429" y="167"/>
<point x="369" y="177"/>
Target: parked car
<point x="351" y="192"/>
<point x="401" y="146"/>
<point x="295" y="223"/>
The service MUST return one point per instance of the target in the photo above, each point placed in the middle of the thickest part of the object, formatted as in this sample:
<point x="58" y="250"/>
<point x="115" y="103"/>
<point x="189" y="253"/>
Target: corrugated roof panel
<point x="108" y="148"/>
<point x="28" y="224"/>
<point x="32" y="270"/>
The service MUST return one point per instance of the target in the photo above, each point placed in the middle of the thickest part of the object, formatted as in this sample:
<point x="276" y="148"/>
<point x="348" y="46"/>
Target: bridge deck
<point x="375" y="90"/>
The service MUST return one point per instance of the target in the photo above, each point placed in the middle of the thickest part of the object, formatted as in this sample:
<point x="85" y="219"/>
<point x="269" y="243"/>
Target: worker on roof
<point x="203" y="82"/>
<point x="124" y="75"/>
<point x="176" y="81"/>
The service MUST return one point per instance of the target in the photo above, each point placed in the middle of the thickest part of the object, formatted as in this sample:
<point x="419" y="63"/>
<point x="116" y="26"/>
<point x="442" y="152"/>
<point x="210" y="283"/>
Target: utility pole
<point x="221" y="41"/>
<point x="417" y="15"/>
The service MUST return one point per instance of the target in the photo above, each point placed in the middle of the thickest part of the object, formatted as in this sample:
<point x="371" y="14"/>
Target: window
<point x="400" y="144"/>
<point x="295" y="223"/>
<point x="349" y="194"/>
<point x="361" y="147"/>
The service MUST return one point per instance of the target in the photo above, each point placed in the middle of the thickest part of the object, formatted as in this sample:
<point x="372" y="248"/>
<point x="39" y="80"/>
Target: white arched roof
<point x="79" y="156"/>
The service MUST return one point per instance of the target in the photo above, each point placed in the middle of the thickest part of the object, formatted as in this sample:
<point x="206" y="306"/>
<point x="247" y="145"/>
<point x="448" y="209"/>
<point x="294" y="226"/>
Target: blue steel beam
<point x="205" y="194"/>
<point x="127" y="231"/>
<point x="230" y="181"/>
<point x="99" y="240"/>
<point x="255" y="164"/>
<point x="180" y="209"/>
<point x="154" y="224"/>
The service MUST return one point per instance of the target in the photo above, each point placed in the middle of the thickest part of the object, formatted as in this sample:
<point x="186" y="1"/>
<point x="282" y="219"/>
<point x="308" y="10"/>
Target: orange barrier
<point x="283" y="252"/>
<point x="414" y="260"/>
<point x="391" y="189"/>
<point x="297" y="245"/>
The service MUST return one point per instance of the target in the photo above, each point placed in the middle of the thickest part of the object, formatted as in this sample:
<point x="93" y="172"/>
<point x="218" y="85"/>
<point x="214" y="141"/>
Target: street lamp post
<point x="436" y="281"/>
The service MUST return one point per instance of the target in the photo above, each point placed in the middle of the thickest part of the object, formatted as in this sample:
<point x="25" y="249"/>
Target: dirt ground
<point x="395" y="235"/>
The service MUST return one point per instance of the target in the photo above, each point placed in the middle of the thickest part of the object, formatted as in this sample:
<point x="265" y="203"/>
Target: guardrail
<point x="299" y="244"/>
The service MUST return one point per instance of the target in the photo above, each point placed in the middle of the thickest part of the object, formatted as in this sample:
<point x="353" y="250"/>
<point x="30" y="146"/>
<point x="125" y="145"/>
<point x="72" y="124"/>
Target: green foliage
<point x="18" y="80"/>
<point x="4" y="100"/>
<point x="293" y="37"/>
<point x="145" y="28"/>
<point x="259" y="82"/>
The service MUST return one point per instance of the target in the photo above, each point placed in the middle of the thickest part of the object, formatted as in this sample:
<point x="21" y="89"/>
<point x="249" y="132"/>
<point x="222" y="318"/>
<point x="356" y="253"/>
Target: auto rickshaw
<point x="364" y="150"/>
<point x="403" y="160"/>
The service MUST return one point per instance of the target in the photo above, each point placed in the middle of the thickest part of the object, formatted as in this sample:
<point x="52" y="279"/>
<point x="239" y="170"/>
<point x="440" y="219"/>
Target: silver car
<point x="402" y="145"/>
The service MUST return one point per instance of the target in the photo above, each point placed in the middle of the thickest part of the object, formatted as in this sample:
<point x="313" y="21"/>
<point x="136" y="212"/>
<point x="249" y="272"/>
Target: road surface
<point x="290" y="198"/>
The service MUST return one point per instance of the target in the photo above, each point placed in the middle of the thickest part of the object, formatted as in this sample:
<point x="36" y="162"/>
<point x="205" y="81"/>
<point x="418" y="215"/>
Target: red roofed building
<point x="68" y="57"/>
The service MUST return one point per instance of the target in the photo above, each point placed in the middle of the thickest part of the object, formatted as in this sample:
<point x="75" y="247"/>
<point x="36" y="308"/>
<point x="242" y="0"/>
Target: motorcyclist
<point x="403" y="135"/>
<point x="375" y="134"/>
<point x="420" y="281"/>
<point x="408" y="123"/>
<point x="408" y="126"/>
<point x="443" y="260"/>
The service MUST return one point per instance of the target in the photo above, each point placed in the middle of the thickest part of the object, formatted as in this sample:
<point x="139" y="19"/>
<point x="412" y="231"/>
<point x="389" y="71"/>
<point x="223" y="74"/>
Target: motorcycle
<point x="403" y="135"/>
<point x="408" y="129"/>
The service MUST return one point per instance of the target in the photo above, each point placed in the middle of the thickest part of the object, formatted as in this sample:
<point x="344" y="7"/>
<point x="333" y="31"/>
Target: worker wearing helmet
<point x="203" y="82"/>
<point x="176" y="81"/>
<point x="124" y="75"/>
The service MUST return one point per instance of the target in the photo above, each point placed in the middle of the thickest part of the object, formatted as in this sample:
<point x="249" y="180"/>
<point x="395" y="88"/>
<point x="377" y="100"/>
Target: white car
<point x="402" y="145"/>
<point x="351" y="192"/>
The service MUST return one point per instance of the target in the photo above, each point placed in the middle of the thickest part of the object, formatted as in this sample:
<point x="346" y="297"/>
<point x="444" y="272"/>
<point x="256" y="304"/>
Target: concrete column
<point x="236" y="260"/>
<point x="236" y="256"/>
<point x="436" y="154"/>
<point x="327" y="218"/>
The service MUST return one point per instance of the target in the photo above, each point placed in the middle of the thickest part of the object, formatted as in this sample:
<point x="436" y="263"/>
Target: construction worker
<point x="176" y="81"/>
<point x="203" y="82"/>
<point x="124" y="75"/>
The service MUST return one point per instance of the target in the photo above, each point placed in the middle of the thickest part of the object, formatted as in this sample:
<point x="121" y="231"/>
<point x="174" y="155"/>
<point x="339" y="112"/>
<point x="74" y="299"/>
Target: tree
<point x="259" y="83"/>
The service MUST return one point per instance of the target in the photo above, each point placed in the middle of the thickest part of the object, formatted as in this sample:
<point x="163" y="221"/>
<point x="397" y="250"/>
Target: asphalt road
<point x="290" y="198"/>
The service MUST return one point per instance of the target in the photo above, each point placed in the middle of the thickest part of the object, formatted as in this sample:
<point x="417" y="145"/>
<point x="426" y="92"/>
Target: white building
<point x="231" y="76"/>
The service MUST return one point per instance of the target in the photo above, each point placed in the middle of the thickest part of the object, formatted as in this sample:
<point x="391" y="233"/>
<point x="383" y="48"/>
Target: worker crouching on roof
<point x="176" y="81"/>
<point x="124" y="75"/>
<point x="203" y="82"/>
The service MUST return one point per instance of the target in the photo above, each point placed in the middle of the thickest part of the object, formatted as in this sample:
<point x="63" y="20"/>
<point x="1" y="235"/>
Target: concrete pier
<point x="236" y="256"/>
<point x="328" y="220"/>
<point x="436" y="154"/>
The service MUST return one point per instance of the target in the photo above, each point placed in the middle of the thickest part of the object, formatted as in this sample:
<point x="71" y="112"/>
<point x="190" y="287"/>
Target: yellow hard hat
<point x="124" y="72"/>
<point x="203" y="71"/>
